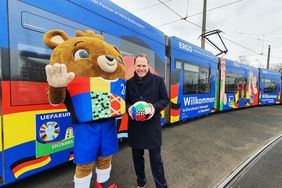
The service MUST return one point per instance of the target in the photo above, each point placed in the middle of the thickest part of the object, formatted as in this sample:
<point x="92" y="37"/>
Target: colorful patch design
<point x="100" y="105"/>
<point x="116" y="105"/>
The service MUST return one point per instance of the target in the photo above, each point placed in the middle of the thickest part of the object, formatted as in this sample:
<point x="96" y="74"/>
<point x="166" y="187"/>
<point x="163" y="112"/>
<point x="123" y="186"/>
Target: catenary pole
<point x="268" y="57"/>
<point x="204" y="24"/>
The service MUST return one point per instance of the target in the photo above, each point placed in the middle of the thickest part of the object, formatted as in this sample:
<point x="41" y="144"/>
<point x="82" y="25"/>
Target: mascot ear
<point x="88" y="33"/>
<point x="53" y="38"/>
<point x="116" y="49"/>
<point x="80" y="33"/>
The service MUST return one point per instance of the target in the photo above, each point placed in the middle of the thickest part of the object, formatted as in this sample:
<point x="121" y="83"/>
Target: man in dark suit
<point x="145" y="86"/>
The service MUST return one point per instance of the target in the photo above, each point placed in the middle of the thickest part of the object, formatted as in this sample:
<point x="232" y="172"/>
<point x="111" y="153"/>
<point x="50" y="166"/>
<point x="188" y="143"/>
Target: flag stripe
<point x="31" y="165"/>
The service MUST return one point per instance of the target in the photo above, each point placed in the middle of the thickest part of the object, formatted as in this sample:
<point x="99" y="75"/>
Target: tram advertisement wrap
<point x="194" y="106"/>
<point x="54" y="133"/>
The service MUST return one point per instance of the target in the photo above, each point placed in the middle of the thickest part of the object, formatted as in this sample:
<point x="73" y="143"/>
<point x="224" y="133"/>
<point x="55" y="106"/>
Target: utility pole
<point x="204" y="24"/>
<point x="268" y="57"/>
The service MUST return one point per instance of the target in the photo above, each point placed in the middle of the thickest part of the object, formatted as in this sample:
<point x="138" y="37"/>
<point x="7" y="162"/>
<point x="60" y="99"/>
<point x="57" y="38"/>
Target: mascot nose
<point x="109" y="57"/>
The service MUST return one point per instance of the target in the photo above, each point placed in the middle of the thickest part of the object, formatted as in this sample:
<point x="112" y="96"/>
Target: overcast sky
<point x="250" y="25"/>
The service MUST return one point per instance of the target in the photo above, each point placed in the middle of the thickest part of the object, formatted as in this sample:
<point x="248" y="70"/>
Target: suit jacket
<point x="151" y="89"/>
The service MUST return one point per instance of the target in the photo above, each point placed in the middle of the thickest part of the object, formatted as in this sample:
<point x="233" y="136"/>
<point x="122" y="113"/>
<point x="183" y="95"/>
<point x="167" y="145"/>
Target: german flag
<point x="174" y="112"/>
<point x="71" y="156"/>
<point x="175" y="107"/>
<point x="25" y="165"/>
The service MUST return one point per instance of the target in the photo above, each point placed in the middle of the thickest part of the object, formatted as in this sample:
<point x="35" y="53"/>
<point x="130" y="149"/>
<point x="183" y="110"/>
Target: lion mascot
<point x="88" y="76"/>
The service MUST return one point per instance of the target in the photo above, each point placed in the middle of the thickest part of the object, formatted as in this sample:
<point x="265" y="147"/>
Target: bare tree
<point x="259" y="64"/>
<point x="244" y="60"/>
<point x="277" y="67"/>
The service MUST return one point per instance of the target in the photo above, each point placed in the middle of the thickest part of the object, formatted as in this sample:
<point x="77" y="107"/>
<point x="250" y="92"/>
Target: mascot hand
<point x="57" y="75"/>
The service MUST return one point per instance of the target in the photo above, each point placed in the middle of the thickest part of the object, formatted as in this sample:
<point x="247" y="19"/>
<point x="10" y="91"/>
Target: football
<point x="141" y="110"/>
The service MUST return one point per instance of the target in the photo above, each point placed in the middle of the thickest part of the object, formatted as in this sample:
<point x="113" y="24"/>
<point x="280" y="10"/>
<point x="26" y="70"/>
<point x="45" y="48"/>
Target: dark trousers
<point x="156" y="166"/>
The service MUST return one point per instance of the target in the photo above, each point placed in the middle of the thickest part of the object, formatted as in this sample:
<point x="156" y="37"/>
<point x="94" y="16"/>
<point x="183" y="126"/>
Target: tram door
<point x="1" y="148"/>
<point x="3" y="50"/>
<point x="281" y="89"/>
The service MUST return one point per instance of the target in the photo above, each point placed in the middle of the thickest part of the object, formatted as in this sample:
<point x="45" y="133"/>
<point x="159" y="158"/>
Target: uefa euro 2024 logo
<point x="49" y="131"/>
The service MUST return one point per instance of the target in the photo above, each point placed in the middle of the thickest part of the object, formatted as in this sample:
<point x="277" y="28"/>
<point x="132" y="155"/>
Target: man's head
<point x="141" y="65"/>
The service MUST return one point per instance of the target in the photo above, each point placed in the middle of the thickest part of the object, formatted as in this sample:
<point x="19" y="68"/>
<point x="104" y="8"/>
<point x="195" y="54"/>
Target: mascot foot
<point x="107" y="184"/>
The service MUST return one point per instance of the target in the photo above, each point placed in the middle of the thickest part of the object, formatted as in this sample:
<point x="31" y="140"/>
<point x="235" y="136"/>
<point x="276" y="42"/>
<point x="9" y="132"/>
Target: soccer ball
<point x="141" y="110"/>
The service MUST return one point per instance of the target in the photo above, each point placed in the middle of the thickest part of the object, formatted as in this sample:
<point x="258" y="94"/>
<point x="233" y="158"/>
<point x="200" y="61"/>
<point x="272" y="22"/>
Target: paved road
<point x="265" y="172"/>
<point x="197" y="154"/>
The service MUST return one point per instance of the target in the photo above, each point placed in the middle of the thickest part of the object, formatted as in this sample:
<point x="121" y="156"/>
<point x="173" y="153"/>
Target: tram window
<point x="246" y="83"/>
<point x="178" y="65"/>
<point x="29" y="55"/>
<point x="28" y="78"/>
<point x="28" y="66"/>
<point x="204" y="80"/>
<point x="32" y="69"/>
<point x="242" y="86"/>
<point x="273" y="87"/>
<point x="191" y="79"/>
<point x="129" y="48"/>
<point x="269" y="86"/>
<point x="231" y="81"/>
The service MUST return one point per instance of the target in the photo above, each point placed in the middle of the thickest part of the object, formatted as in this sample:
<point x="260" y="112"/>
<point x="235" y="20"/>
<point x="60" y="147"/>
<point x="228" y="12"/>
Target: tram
<point x="198" y="82"/>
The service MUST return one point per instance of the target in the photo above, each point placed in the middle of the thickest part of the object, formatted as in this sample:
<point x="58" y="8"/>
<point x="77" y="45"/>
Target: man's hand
<point x="152" y="111"/>
<point x="57" y="75"/>
<point x="130" y="111"/>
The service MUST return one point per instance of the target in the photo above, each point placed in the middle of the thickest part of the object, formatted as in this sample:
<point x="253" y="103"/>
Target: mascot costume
<point x="88" y="76"/>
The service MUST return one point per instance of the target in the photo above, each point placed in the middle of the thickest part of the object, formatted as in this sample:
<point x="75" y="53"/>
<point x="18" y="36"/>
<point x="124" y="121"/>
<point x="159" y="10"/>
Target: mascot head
<point x="87" y="54"/>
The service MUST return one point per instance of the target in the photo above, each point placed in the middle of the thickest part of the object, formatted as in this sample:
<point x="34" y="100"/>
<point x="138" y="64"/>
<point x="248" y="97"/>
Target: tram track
<point x="248" y="163"/>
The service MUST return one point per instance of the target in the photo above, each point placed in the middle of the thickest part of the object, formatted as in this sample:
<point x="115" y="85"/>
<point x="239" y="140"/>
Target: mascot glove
<point x="57" y="75"/>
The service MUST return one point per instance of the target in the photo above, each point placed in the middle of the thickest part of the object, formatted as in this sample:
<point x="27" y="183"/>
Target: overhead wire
<point x="221" y="6"/>
<point x="170" y="8"/>
<point x="242" y="46"/>
<point x="174" y="21"/>
<point x="150" y="6"/>
<point x="243" y="33"/>
<point x="181" y="18"/>
<point x="258" y="39"/>
<point x="185" y="19"/>
<point x="243" y="37"/>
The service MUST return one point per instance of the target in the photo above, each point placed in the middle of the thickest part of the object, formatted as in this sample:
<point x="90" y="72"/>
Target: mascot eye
<point x="120" y="60"/>
<point x="80" y="54"/>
